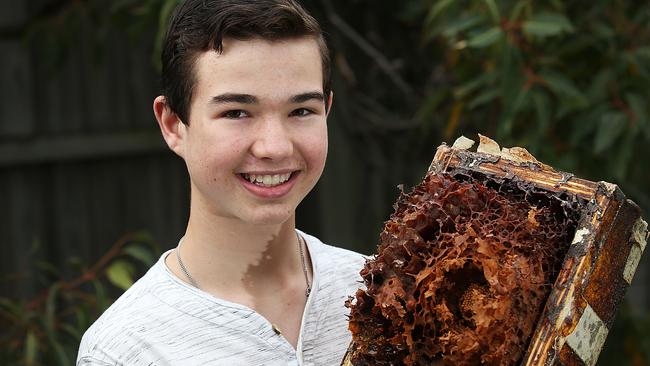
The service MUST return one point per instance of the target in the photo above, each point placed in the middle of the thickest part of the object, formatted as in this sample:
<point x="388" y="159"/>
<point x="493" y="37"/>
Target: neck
<point x="255" y="265"/>
<point x="227" y="256"/>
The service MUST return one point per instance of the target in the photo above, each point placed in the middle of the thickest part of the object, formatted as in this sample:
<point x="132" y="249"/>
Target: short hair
<point x="198" y="26"/>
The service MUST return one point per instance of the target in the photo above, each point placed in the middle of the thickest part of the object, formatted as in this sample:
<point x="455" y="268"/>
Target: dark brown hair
<point x="201" y="25"/>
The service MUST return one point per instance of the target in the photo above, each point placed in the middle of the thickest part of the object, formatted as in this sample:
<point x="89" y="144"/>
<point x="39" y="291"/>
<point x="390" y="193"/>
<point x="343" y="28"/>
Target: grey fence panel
<point x="70" y="212"/>
<point x="25" y="225"/>
<point x="16" y="93"/>
<point x="81" y="159"/>
<point x="79" y="209"/>
<point x="142" y="83"/>
<point x="14" y="13"/>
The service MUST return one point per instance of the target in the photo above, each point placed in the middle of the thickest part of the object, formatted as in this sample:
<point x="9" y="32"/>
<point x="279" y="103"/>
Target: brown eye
<point x="301" y="112"/>
<point x="235" y="114"/>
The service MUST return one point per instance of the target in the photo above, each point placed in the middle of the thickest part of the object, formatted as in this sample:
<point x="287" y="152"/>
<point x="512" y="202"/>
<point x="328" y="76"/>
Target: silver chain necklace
<point x="301" y="242"/>
<point x="180" y="263"/>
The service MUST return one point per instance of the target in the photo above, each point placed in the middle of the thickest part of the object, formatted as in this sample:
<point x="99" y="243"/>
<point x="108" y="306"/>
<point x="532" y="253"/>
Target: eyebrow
<point x="234" y="98"/>
<point x="251" y="99"/>
<point x="300" y="98"/>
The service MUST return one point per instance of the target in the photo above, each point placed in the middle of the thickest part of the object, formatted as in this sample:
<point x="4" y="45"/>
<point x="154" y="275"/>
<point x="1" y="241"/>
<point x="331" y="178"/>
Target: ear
<point x="172" y="128"/>
<point x="330" y="99"/>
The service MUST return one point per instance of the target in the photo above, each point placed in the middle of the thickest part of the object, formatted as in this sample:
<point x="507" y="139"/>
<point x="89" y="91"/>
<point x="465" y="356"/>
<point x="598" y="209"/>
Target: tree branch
<point x="382" y="61"/>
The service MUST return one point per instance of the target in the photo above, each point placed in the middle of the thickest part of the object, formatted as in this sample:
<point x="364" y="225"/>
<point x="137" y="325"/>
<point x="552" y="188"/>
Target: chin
<point x="270" y="217"/>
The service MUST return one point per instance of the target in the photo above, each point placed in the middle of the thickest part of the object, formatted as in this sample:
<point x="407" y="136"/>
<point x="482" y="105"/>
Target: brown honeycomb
<point x="463" y="270"/>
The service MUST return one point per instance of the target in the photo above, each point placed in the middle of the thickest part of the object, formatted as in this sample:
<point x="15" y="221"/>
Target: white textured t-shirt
<point x="162" y="321"/>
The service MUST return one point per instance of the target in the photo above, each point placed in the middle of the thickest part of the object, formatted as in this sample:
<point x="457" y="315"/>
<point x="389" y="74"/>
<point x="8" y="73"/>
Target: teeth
<point x="267" y="180"/>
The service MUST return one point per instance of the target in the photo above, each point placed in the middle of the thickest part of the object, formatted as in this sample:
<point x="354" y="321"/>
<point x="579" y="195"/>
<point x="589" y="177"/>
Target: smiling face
<point x="256" y="139"/>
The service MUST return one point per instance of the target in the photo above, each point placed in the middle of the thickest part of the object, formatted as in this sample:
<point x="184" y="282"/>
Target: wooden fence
<point x="81" y="160"/>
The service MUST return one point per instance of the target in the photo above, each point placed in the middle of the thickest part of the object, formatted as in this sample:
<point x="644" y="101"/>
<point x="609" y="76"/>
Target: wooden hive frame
<point x="598" y="266"/>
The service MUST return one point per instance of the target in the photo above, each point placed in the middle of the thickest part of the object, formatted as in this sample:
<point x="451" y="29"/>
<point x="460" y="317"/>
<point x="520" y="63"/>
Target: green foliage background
<point x="565" y="80"/>
<point x="47" y="328"/>
<point x="568" y="80"/>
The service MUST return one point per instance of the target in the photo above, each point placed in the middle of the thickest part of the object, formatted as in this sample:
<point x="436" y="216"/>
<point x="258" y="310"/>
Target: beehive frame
<point x="598" y="266"/>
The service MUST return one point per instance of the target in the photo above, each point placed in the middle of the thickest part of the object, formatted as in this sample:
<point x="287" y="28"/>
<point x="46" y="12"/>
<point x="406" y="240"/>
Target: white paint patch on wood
<point x="640" y="233"/>
<point x="638" y="243"/>
<point x="463" y="143"/>
<point x="488" y="146"/>
<point x="580" y="234"/>
<point x="588" y="337"/>
<point x="632" y="262"/>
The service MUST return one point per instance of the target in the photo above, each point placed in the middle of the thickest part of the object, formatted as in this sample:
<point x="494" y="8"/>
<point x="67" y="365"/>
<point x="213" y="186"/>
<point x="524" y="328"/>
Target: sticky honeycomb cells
<point x="463" y="270"/>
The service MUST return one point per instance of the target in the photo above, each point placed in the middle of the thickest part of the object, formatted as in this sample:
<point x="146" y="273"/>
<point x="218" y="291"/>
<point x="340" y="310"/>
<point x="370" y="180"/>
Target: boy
<point x="245" y="99"/>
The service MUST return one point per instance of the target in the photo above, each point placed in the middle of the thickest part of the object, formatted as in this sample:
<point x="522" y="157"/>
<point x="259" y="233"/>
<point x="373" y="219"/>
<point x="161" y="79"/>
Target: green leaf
<point x="100" y="294"/>
<point x="163" y="18"/>
<point x="636" y="65"/>
<point x="484" y="97"/>
<point x="59" y="351"/>
<point x="119" y="5"/>
<point x="143" y="237"/>
<point x="486" y="38"/>
<point x="140" y="253"/>
<point x="512" y="105"/>
<point x="459" y="25"/>
<point x="624" y="155"/>
<point x="494" y="11"/>
<point x="597" y="90"/>
<point x="50" y="322"/>
<point x="429" y="108"/>
<point x="568" y="106"/>
<point x="31" y="348"/>
<point x="10" y="306"/>
<point x="519" y="7"/>
<point x="50" y="306"/>
<point x="610" y="127"/>
<point x="509" y="69"/>
<point x="81" y="318"/>
<point x="542" y="110"/>
<point x="72" y="331"/>
<point x="602" y="30"/>
<point x="561" y="85"/>
<point x="643" y="52"/>
<point x="587" y="122"/>
<point x="120" y="273"/>
<point x="437" y="9"/>
<point x="547" y="24"/>
<point x="466" y="88"/>
<point x="166" y="11"/>
<point x="639" y="107"/>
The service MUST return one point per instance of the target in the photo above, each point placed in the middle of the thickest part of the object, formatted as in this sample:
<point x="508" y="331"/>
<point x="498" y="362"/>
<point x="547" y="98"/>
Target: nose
<point x="273" y="140"/>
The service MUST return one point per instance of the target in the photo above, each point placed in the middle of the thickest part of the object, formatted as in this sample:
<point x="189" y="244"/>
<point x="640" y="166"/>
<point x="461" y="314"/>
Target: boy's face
<point x="257" y="137"/>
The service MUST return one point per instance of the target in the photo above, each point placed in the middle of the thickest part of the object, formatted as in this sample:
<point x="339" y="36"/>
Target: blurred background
<point x="91" y="196"/>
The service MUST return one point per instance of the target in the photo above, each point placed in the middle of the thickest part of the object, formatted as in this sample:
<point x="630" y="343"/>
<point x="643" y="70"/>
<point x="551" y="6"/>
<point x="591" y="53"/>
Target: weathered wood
<point x="82" y="161"/>
<point x="25" y="205"/>
<point x="597" y="268"/>
<point x="143" y="84"/>
<point x="16" y="94"/>
<point x="79" y="147"/>
<point x="581" y="307"/>
<point x="13" y="14"/>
